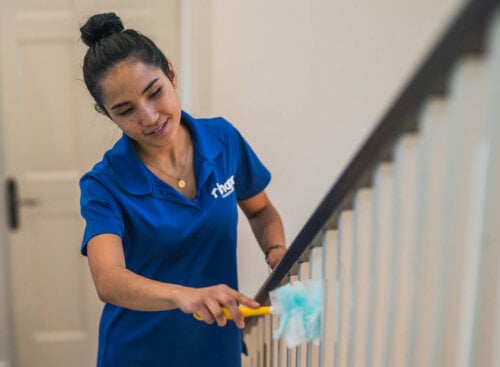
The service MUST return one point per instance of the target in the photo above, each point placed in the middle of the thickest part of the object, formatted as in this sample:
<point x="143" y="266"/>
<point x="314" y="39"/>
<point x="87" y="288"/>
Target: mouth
<point x="158" y="130"/>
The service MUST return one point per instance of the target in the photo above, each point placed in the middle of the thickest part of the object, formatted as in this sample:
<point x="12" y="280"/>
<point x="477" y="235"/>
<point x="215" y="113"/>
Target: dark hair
<point x="109" y="44"/>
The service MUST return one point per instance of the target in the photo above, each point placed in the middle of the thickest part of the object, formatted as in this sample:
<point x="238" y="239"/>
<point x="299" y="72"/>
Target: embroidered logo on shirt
<point x="225" y="189"/>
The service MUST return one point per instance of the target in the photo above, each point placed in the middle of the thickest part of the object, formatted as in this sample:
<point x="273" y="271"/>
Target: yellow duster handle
<point x="246" y="311"/>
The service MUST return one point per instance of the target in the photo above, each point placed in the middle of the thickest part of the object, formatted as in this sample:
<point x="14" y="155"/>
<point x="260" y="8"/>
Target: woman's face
<point x="143" y="102"/>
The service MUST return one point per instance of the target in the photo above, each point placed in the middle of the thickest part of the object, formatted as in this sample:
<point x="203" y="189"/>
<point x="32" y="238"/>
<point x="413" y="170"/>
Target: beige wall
<point x="4" y="318"/>
<point x="305" y="82"/>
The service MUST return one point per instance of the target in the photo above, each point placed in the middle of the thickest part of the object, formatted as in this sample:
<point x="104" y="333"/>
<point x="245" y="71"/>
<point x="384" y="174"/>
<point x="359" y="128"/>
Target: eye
<point x="156" y="92"/>
<point x="125" y="112"/>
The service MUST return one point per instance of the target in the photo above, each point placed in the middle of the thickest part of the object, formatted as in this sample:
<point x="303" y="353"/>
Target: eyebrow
<point x="150" y="84"/>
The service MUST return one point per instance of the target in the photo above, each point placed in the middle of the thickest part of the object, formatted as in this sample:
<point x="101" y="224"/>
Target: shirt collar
<point x="132" y="174"/>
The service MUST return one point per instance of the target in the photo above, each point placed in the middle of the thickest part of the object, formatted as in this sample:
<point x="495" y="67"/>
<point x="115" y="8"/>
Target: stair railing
<point x="408" y="238"/>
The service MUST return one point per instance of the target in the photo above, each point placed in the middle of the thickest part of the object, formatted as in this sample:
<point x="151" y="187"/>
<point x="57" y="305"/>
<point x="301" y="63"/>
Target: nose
<point x="149" y="115"/>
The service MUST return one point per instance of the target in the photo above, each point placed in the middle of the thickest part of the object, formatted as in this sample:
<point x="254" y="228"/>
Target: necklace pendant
<point x="181" y="183"/>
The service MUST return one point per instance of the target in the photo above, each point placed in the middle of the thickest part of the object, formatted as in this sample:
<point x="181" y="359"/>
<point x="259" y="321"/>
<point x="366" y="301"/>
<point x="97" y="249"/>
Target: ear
<point x="173" y="74"/>
<point x="101" y="109"/>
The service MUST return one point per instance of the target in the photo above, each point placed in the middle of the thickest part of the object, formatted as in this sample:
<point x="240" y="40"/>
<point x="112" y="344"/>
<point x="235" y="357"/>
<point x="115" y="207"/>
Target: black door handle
<point x="12" y="211"/>
<point x="13" y="204"/>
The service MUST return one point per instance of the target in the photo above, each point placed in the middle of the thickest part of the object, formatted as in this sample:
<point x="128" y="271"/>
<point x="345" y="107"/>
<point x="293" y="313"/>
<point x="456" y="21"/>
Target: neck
<point x="169" y="157"/>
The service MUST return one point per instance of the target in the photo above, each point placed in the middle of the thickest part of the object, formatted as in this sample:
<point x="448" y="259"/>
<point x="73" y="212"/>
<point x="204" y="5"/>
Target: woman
<point x="161" y="212"/>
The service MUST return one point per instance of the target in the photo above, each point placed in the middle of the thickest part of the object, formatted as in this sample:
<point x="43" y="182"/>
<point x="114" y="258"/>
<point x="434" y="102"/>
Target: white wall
<point x="305" y="82"/>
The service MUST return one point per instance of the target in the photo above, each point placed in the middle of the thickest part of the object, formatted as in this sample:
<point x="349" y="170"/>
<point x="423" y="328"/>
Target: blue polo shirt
<point x="169" y="238"/>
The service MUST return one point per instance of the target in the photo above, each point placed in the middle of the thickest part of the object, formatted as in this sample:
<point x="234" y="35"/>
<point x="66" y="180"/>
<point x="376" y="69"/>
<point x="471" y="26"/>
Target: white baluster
<point x="302" y="348"/>
<point x="274" y="344"/>
<point x="429" y="225"/>
<point x="403" y="251"/>
<point x="280" y="347"/>
<point x="267" y="337"/>
<point x="315" y="273"/>
<point x="486" y="334"/>
<point x="382" y="253"/>
<point x="330" y="255"/>
<point x="251" y="343"/>
<point x="291" y="356"/>
<point x="462" y="197"/>
<point x="260" y="342"/>
<point x="316" y="261"/>
<point x="363" y="244"/>
<point x="345" y="328"/>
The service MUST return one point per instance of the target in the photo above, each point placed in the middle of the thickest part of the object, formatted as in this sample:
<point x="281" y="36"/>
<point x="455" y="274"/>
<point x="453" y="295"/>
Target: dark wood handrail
<point x="465" y="35"/>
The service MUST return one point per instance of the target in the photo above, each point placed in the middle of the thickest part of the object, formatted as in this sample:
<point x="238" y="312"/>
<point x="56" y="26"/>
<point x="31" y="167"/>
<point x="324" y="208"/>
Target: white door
<point x="51" y="136"/>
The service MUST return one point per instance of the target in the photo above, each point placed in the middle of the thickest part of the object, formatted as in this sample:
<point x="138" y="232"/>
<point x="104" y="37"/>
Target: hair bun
<point x="100" y="26"/>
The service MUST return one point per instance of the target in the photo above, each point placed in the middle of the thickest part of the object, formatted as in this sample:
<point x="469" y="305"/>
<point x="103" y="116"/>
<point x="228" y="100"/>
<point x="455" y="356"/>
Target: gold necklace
<point x="181" y="183"/>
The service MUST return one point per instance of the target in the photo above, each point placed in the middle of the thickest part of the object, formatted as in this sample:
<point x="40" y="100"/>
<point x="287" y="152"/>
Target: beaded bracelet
<point x="272" y="247"/>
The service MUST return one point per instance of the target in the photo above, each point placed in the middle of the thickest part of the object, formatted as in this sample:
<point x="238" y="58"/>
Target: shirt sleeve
<point x="99" y="209"/>
<point x="251" y="176"/>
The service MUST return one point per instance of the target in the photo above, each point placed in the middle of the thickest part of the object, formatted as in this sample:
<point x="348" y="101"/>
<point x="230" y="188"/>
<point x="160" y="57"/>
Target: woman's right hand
<point x="208" y="302"/>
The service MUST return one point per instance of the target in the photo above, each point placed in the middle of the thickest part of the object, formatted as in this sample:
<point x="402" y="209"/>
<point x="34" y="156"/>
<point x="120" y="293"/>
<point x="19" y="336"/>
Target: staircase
<point x="408" y="239"/>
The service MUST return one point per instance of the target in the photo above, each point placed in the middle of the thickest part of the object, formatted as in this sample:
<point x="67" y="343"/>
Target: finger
<point x="204" y="314"/>
<point x="236" y="315"/>
<point x="247" y="301"/>
<point x="242" y="299"/>
<point x="229" y="301"/>
<point x="217" y="313"/>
